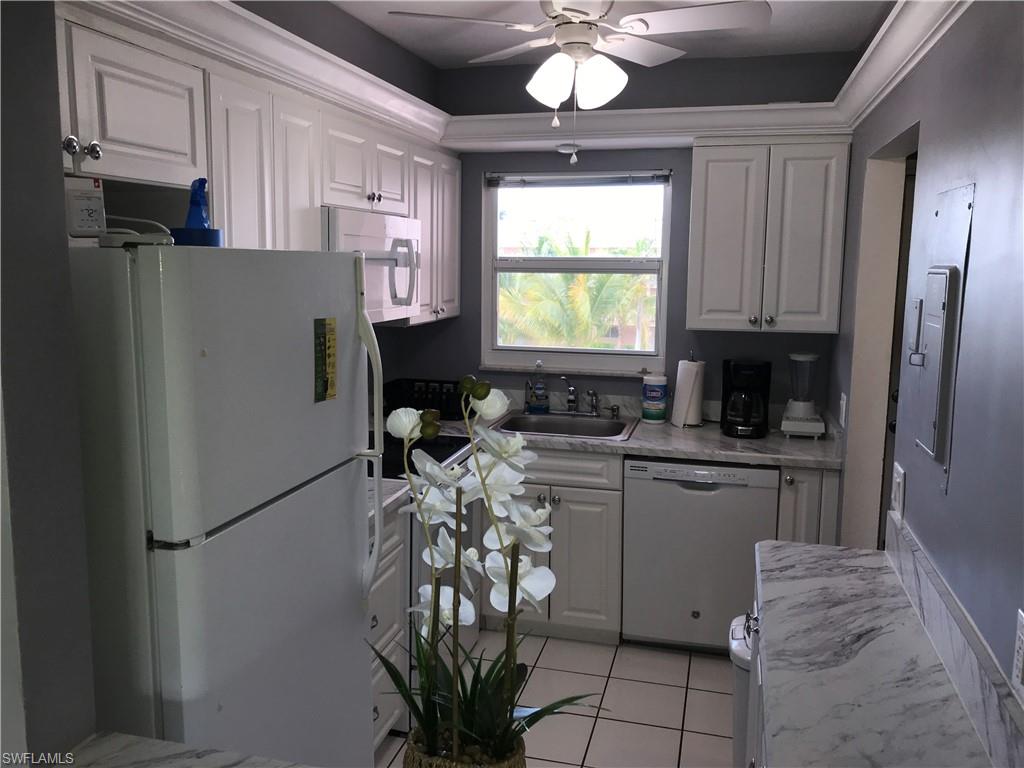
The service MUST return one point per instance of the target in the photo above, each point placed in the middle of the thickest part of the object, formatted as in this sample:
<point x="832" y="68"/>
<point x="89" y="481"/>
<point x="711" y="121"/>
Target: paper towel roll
<point x="689" y="394"/>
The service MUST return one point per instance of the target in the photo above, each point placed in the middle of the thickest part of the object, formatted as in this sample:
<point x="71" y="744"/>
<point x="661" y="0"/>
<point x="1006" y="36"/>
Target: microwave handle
<point x="413" y="261"/>
<point x="373" y="453"/>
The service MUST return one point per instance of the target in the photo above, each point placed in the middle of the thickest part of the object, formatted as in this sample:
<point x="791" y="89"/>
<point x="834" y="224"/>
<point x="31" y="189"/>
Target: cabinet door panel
<point x="799" y="505"/>
<point x="145" y="110"/>
<point x="346" y="172"/>
<point x="727" y="225"/>
<point x="448" y="255"/>
<point x="532" y="495"/>
<point x="297" y="175"/>
<point x="586" y="556"/>
<point x="424" y="208"/>
<point x="241" y="159"/>
<point x="804" y="241"/>
<point x="391" y="177"/>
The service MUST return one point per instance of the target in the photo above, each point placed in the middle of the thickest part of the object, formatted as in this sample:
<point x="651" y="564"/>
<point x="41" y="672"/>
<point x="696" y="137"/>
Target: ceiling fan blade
<point x="637" y="50"/>
<point x="515" y="50"/>
<point x="699" y="18"/>
<point x="492" y="22"/>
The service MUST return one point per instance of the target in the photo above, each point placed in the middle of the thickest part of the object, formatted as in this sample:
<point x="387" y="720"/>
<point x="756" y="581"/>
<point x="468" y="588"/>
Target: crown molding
<point x="228" y="33"/>
<point x="910" y="30"/>
<point x="223" y="32"/>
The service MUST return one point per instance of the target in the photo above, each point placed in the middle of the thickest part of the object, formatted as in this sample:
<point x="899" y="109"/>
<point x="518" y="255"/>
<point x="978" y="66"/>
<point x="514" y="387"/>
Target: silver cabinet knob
<point x="93" y="150"/>
<point x="770" y="319"/>
<point x="556" y="500"/>
<point x="379" y="197"/>
<point x="752" y="319"/>
<point x="789" y="480"/>
<point x="376" y="714"/>
<point x="542" y="498"/>
<point x="71" y="145"/>
<point x="442" y="309"/>
<point x="374" y="621"/>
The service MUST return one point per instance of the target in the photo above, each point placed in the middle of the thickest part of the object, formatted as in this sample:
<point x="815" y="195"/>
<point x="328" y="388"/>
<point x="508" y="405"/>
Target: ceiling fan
<point x="579" y="30"/>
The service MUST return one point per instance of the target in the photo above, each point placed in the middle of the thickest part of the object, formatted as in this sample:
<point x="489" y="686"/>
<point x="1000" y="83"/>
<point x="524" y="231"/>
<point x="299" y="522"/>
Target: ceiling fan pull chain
<point x="555" y="122"/>
<point x="573" y="159"/>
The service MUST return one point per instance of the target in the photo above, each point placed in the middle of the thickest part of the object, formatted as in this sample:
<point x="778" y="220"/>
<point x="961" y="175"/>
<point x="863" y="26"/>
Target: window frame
<point x="590" y="362"/>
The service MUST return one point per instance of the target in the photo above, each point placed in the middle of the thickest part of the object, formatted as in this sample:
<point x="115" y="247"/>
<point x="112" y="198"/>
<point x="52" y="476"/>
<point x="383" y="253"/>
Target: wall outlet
<point x="899" y="491"/>
<point x="842" y="410"/>
<point x="1017" y="678"/>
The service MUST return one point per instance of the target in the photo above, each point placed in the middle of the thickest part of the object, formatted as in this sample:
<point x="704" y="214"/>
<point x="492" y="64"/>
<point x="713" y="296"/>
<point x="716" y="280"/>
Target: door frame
<point x="874" y="318"/>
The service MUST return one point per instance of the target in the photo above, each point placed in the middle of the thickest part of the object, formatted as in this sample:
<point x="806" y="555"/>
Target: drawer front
<point x="387" y="598"/>
<point x="578" y="470"/>
<point x="387" y="708"/>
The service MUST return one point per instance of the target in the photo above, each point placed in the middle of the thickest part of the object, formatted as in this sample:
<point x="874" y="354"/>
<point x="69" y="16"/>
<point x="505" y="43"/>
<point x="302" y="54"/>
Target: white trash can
<point x="739" y="652"/>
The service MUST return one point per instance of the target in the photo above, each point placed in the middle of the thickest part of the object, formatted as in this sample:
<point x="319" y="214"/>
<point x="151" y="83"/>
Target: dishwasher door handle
<point x="704" y="486"/>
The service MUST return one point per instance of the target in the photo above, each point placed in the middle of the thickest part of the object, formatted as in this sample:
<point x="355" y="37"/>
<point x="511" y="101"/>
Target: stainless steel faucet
<point x="595" y="402"/>
<point x="570" y="396"/>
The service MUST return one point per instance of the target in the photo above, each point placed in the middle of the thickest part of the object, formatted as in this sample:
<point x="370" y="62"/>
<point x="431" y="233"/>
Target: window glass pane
<point x="577" y="310"/>
<point x="597" y="221"/>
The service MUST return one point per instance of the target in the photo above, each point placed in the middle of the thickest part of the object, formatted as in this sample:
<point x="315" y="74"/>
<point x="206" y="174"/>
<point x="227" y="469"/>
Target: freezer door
<point x="254" y="378"/>
<point x="261" y="630"/>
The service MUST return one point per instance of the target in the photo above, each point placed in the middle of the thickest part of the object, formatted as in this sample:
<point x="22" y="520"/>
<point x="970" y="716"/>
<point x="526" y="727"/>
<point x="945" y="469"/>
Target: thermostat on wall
<point x="83" y="201"/>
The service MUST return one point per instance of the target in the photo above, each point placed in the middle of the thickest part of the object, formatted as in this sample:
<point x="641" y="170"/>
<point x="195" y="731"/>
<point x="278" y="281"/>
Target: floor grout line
<point x="682" y="722"/>
<point x="600" y="703"/>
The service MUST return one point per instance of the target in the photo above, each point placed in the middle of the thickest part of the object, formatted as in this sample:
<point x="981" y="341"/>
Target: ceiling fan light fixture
<point x="551" y="84"/>
<point x="598" y="81"/>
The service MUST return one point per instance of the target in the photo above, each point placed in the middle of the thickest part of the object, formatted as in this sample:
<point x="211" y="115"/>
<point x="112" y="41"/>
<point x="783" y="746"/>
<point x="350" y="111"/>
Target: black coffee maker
<point x="745" y="386"/>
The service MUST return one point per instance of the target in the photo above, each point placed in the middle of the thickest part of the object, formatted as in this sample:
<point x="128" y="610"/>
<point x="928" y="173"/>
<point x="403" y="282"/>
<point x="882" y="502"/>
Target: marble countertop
<point x="850" y="678"/>
<point x="394" y="493"/>
<point x="705" y="443"/>
<point x="116" y="750"/>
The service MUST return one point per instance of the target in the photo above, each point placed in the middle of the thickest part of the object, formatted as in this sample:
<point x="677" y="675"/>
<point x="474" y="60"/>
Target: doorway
<point x="884" y="246"/>
<point x="896" y="350"/>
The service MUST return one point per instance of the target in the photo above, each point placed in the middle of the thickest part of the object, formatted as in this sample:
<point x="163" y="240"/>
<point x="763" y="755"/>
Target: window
<point x="573" y="274"/>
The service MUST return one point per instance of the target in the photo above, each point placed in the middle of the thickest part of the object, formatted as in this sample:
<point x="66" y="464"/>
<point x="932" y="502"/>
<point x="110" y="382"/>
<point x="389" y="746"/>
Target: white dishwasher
<point x="689" y="532"/>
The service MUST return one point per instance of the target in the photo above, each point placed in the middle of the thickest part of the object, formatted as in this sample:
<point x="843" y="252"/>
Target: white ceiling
<point x="797" y="26"/>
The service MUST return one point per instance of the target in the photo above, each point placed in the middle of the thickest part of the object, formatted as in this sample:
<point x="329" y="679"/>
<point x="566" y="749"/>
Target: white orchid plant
<point x="472" y="717"/>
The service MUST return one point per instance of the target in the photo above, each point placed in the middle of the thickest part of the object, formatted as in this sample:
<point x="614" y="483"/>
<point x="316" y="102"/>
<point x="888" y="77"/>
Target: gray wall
<point x="326" y="25"/>
<point x="968" y="96"/>
<point x="40" y="405"/>
<point x="680" y="83"/>
<point x="450" y="348"/>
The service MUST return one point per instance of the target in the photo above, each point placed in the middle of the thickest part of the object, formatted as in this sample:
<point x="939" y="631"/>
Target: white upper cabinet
<point x="145" y="111"/>
<point x="363" y="168"/>
<point x="766" y="237"/>
<point x="436" y="187"/>
<point x="727" y="224"/>
<point x="240" y="151"/>
<point x="296" y="174"/>
<point x="448" y="229"/>
<point x="803" y="255"/>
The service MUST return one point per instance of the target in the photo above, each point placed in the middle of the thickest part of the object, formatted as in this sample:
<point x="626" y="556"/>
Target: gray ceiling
<point x="797" y="26"/>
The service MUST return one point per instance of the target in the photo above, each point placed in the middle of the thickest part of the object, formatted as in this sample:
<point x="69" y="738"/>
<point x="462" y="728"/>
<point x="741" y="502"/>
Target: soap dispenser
<point x="538" y="390"/>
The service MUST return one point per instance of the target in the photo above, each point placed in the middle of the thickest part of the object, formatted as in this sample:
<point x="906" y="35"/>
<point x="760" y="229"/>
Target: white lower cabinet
<point x="586" y="556"/>
<point x="808" y="505"/>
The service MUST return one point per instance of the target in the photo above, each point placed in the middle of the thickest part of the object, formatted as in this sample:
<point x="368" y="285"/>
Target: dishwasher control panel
<point x="754" y="477"/>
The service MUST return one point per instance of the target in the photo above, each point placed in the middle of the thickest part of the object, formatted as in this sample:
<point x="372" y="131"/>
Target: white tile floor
<point x="658" y="708"/>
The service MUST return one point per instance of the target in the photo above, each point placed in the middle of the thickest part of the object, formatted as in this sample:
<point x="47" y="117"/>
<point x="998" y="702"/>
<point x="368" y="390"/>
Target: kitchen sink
<point x="569" y="425"/>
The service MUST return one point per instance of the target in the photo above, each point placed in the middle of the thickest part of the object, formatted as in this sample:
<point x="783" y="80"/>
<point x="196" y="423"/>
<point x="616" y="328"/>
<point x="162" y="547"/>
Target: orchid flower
<point x="467" y="613"/>
<point x="526" y="524"/>
<point x="492" y="406"/>
<point x="511" y="449"/>
<point x="435" y="507"/>
<point x="502" y="481"/>
<point x="442" y="556"/>
<point x="535" y="582"/>
<point x="404" y="423"/>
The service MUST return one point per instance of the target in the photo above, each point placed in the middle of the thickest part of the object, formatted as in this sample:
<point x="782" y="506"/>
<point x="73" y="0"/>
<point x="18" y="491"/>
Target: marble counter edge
<point x="117" y="750"/>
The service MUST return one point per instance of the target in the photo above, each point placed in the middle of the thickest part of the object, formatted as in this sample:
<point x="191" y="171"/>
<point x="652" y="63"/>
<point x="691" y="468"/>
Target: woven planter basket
<point x="415" y="759"/>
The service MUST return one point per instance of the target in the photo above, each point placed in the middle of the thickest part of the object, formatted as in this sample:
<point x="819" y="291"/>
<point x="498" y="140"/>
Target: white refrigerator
<point x="224" y="405"/>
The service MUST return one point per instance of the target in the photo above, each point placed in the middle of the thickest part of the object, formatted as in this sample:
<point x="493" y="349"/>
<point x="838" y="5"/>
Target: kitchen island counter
<point x="117" y="750"/>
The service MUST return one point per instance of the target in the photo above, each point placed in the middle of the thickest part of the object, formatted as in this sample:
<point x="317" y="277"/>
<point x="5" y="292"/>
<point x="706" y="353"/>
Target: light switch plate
<point x="899" y="491"/>
<point x="842" y="410"/>
<point x="1017" y="678"/>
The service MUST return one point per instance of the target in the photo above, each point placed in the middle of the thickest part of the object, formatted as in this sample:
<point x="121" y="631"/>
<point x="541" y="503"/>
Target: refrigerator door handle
<point x="373" y="453"/>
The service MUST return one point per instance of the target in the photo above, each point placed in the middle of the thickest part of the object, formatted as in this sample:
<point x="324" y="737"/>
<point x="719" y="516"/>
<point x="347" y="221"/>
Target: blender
<point x="801" y="416"/>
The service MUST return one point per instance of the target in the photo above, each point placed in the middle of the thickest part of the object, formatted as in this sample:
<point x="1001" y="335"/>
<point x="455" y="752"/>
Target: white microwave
<point x="392" y="248"/>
